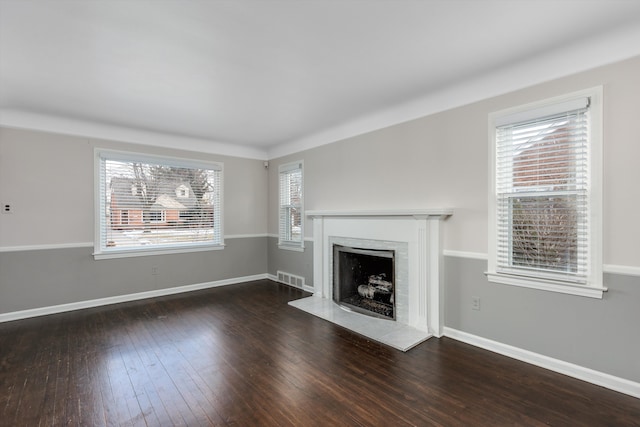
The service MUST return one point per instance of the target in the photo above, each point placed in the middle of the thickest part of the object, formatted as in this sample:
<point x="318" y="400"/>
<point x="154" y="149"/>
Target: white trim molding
<point x="19" y="119"/>
<point x="548" y="285"/>
<point x="464" y="254"/>
<point x="292" y="248"/>
<point x="438" y="213"/>
<point x="52" y="246"/>
<point x="625" y="270"/>
<point x="245" y="236"/>
<point x="46" y="247"/>
<point x="275" y="236"/>
<point x="158" y="251"/>
<point x="602" y="379"/>
<point x="61" y="308"/>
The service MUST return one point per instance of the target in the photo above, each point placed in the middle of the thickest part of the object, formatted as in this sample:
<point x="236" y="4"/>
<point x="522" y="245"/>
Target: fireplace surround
<point x="416" y="239"/>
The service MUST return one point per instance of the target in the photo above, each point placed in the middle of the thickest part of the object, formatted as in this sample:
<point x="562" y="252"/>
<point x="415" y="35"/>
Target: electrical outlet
<point x="7" y="208"/>
<point x="475" y="303"/>
<point x="154" y="271"/>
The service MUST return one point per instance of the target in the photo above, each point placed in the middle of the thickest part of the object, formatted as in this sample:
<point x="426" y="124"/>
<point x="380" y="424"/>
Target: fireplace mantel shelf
<point x="418" y="213"/>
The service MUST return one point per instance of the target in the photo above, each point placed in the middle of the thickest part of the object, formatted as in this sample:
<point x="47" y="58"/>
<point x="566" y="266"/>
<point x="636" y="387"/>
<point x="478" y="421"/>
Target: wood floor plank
<point x="240" y="356"/>
<point x="42" y="375"/>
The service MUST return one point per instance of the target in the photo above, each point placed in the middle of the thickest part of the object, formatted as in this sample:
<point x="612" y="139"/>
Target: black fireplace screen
<point x="363" y="280"/>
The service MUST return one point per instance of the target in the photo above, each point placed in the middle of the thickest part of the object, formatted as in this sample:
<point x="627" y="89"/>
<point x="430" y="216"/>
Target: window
<point x="124" y="217"/>
<point x="291" y="234"/>
<point x="182" y="191"/>
<point x="545" y="207"/>
<point x="157" y="216"/>
<point x="147" y="205"/>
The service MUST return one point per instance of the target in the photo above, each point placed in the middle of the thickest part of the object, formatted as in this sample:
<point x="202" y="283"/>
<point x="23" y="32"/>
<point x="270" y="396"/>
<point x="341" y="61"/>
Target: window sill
<point x="547" y="285"/>
<point x="157" y="251"/>
<point x="298" y="247"/>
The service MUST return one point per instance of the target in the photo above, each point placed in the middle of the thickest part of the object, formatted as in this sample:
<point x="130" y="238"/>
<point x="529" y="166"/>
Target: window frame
<point x="284" y="243"/>
<point x="593" y="286"/>
<point x="102" y="250"/>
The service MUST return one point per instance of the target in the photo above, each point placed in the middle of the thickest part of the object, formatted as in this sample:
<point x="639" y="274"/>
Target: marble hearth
<point x="415" y="237"/>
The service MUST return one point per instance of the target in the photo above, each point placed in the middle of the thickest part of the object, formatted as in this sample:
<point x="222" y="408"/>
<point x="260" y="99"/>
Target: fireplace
<point x="363" y="280"/>
<point x="411" y="241"/>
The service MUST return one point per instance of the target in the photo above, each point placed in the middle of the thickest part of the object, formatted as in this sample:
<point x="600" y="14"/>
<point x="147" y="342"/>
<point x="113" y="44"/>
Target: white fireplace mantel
<point x="441" y="213"/>
<point x="419" y="229"/>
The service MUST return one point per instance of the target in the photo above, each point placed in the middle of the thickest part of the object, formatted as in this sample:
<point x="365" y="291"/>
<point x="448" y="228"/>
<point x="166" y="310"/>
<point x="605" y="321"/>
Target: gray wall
<point x="49" y="180"/>
<point x="41" y="278"/>
<point x="293" y="262"/>
<point x="597" y="334"/>
<point x="442" y="160"/>
<point x="44" y="255"/>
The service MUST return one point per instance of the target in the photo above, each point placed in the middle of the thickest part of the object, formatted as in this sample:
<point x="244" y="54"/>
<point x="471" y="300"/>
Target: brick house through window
<point x="134" y="206"/>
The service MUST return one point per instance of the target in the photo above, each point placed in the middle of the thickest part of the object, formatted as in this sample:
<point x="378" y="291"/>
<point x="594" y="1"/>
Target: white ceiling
<point x="261" y="78"/>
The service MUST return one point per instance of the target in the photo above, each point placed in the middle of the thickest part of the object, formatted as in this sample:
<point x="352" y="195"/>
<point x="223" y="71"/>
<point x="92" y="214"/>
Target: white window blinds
<point x="150" y="203"/>
<point x="290" y="215"/>
<point x="542" y="193"/>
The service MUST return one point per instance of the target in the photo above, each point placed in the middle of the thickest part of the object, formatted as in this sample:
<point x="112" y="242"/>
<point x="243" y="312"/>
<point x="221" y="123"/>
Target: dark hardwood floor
<point x="240" y="356"/>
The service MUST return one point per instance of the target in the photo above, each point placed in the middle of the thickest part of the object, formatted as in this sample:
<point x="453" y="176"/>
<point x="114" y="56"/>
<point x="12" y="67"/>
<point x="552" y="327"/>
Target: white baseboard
<point x="43" y="311"/>
<point x="585" y="374"/>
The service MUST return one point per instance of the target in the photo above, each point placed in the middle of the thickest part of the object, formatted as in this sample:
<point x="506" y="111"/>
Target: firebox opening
<point x="364" y="280"/>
